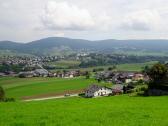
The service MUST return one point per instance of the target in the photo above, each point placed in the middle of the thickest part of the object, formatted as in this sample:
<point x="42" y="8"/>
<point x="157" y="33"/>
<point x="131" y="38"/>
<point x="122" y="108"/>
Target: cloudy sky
<point x="27" y="20"/>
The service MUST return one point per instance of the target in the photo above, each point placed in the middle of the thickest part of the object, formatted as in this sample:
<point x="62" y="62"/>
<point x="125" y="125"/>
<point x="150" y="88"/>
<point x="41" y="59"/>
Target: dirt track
<point x="51" y="95"/>
<point x="47" y="98"/>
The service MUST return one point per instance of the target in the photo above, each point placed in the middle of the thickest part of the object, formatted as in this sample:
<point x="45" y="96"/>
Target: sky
<point x="28" y="20"/>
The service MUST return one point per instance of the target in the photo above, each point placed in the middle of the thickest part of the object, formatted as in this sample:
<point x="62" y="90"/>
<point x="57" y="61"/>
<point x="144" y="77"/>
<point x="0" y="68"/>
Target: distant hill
<point x="55" y="45"/>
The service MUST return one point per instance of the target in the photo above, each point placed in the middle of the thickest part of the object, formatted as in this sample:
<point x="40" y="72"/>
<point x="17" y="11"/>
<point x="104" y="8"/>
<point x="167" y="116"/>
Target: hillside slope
<point x="54" y="44"/>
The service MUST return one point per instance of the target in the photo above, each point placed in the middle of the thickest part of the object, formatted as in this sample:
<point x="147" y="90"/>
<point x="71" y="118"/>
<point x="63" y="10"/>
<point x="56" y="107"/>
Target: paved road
<point x="47" y="98"/>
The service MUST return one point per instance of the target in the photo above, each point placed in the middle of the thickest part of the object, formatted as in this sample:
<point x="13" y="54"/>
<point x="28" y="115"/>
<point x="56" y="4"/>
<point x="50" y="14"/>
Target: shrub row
<point x="7" y="100"/>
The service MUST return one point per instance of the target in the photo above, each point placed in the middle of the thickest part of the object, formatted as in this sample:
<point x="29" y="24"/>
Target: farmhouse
<point x="117" y="89"/>
<point x="41" y="72"/>
<point x="138" y="77"/>
<point x="27" y="74"/>
<point x="68" y="74"/>
<point x="96" y="90"/>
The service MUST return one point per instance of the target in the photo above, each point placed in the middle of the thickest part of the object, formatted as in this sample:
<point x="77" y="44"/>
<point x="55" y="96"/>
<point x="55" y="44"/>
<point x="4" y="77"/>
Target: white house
<point x="96" y="90"/>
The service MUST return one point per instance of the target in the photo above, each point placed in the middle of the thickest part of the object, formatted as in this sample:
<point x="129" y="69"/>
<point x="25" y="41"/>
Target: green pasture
<point x="105" y="111"/>
<point x="20" y="87"/>
<point x="134" y="66"/>
<point x="65" y="64"/>
<point x="124" y="67"/>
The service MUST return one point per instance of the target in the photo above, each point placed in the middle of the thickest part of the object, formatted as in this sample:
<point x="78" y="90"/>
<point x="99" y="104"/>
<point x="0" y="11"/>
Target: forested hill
<point x="58" y="44"/>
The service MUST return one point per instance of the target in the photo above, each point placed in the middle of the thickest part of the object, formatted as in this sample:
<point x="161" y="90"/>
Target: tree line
<point x="114" y="59"/>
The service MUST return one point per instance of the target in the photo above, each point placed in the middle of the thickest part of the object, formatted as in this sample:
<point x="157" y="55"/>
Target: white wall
<point x="103" y="91"/>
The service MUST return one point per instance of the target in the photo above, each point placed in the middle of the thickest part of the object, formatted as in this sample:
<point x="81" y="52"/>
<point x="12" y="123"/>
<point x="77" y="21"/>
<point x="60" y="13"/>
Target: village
<point x="13" y="65"/>
<point x="34" y="67"/>
<point x="121" y="82"/>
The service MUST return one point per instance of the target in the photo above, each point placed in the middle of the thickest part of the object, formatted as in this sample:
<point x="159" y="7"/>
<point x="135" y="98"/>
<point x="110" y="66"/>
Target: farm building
<point x="27" y="74"/>
<point x="117" y="89"/>
<point x="138" y="77"/>
<point x="41" y="72"/>
<point x="96" y="90"/>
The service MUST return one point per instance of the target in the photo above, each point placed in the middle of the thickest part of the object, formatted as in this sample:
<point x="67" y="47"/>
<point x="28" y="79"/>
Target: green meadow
<point x="65" y="64"/>
<point x="120" y="67"/>
<point x="21" y="87"/>
<point x="134" y="66"/>
<point x="123" y="110"/>
<point x="137" y="67"/>
<point x="104" y="111"/>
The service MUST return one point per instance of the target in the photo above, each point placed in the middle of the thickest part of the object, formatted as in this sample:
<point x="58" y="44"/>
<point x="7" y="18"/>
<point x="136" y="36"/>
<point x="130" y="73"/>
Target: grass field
<point x="105" y="111"/>
<point x="134" y="66"/>
<point x="65" y="64"/>
<point x="124" y="67"/>
<point x="121" y="67"/>
<point x="21" y="87"/>
<point x="142" y="53"/>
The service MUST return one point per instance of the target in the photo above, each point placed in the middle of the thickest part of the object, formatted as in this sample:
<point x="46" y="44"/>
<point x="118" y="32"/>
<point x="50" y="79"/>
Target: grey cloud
<point x="138" y="26"/>
<point x="143" y="20"/>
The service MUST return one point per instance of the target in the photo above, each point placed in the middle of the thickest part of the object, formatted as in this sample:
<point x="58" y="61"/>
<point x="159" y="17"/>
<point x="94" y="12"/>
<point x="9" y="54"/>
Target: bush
<point x="141" y="93"/>
<point x="7" y="100"/>
<point x="2" y="96"/>
<point x="158" y="75"/>
<point x="98" y="69"/>
<point x="82" y="94"/>
<point x="138" y="89"/>
<point x="2" y="93"/>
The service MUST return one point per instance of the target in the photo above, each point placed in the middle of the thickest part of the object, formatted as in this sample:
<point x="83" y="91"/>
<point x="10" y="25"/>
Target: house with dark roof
<point x="41" y="72"/>
<point x="96" y="90"/>
<point x="117" y="89"/>
<point x="27" y="74"/>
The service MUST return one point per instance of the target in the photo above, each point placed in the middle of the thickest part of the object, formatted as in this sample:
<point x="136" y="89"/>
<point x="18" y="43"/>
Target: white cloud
<point x="63" y="16"/>
<point x="142" y="20"/>
<point x="25" y="20"/>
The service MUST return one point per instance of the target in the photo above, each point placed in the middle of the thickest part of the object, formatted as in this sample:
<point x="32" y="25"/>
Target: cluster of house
<point x="26" y="63"/>
<point x="120" y="77"/>
<point x="15" y="60"/>
<point x="8" y="73"/>
<point x="117" y="89"/>
<point x="67" y="74"/>
<point x="19" y="60"/>
<point x="121" y="80"/>
<point x="45" y="73"/>
<point x="35" y="73"/>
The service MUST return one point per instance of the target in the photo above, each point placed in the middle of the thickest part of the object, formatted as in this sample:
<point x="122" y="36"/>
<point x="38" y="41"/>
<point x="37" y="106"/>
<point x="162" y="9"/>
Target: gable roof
<point x="117" y="87"/>
<point x="41" y="71"/>
<point x="94" y="88"/>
